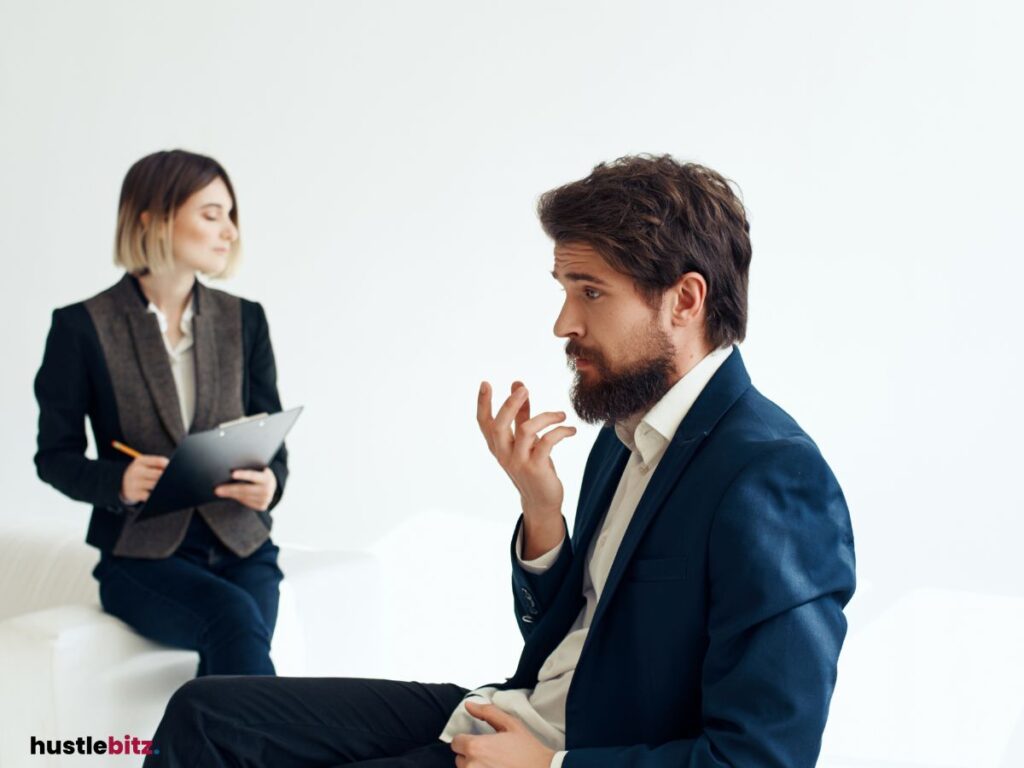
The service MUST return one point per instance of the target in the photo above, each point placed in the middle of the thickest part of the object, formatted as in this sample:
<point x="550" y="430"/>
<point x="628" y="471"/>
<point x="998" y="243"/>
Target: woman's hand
<point x="140" y="477"/>
<point x="256" y="490"/>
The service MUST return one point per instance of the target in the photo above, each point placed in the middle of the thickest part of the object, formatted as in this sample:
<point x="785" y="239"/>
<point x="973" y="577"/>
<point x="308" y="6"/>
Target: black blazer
<point x="717" y="634"/>
<point x="74" y="382"/>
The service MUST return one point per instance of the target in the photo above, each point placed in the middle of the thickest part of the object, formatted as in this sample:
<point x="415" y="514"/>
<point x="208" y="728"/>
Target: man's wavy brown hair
<point x="655" y="219"/>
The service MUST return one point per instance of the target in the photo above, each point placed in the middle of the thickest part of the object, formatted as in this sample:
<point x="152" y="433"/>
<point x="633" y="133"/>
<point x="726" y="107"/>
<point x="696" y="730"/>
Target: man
<point x="694" y="616"/>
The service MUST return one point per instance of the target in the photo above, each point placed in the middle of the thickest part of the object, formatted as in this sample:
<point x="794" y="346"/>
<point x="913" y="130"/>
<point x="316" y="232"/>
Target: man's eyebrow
<point x="579" y="277"/>
<point x="214" y="205"/>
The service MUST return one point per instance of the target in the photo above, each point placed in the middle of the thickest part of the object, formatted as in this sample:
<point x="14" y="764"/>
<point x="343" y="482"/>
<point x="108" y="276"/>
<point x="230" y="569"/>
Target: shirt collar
<point x="186" y="317"/>
<point x="194" y="297"/>
<point x="651" y="432"/>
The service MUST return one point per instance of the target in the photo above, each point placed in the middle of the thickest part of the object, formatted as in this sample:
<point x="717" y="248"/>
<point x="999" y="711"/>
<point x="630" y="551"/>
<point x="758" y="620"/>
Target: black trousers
<point x="298" y="722"/>
<point x="203" y="597"/>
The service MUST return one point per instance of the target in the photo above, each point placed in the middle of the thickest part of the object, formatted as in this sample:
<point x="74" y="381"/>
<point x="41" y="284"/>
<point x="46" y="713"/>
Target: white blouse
<point x="183" y="361"/>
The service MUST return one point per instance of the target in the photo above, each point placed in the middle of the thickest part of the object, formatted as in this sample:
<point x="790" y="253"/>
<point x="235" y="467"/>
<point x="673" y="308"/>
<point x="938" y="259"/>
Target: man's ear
<point x="144" y="217"/>
<point x="687" y="297"/>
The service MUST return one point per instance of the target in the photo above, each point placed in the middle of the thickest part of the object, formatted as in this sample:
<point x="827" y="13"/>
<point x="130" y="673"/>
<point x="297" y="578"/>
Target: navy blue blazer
<point x="716" y="637"/>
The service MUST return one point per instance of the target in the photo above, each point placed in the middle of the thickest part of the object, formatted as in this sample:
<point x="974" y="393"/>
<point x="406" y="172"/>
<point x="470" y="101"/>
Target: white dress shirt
<point x="183" y="361"/>
<point x="542" y="709"/>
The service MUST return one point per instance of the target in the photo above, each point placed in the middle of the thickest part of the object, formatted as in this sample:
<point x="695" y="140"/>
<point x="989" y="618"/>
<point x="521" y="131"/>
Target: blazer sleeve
<point x="532" y="593"/>
<point x="781" y="568"/>
<point x="262" y="396"/>
<point x="63" y="391"/>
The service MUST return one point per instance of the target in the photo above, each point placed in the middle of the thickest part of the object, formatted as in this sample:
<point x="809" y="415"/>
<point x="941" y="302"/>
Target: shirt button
<point x="644" y="469"/>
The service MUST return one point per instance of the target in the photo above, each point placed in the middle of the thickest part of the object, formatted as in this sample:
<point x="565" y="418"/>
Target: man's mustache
<point x="574" y="349"/>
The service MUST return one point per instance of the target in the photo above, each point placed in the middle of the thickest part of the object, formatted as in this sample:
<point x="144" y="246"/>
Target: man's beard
<point x="609" y="396"/>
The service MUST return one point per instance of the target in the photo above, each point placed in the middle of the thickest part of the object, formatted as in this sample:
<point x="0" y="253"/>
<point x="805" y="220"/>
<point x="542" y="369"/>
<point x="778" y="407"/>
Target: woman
<point x="154" y="357"/>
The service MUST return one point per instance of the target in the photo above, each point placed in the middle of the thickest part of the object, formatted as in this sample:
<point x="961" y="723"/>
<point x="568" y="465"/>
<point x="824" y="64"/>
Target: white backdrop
<point x="387" y="158"/>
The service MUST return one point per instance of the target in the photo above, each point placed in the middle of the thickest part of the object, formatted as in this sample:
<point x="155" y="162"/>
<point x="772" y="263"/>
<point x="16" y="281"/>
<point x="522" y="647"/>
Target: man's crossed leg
<point x="305" y="722"/>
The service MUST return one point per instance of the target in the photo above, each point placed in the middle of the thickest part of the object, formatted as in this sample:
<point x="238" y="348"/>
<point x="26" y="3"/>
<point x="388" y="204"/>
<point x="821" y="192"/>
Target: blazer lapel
<point x="156" y="371"/>
<point x="670" y="469"/>
<point x="724" y="389"/>
<point x="593" y="507"/>
<point x="207" y="359"/>
<point x="569" y="600"/>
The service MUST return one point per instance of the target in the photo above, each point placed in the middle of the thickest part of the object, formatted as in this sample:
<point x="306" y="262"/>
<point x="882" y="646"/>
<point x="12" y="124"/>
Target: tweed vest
<point x="148" y="410"/>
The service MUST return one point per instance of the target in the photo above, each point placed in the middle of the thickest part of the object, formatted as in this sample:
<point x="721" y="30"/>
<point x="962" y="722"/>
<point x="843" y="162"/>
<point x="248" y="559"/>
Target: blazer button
<point x="527" y="619"/>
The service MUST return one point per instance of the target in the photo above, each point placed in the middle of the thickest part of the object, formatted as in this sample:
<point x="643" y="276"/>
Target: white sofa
<point x="67" y="669"/>
<point x="928" y="678"/>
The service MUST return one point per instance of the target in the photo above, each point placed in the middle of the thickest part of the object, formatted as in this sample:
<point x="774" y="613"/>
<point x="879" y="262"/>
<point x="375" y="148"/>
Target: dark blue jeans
<point x="203" y="597"/>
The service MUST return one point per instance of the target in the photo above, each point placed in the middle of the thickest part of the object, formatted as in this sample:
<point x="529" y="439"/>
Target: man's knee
<point x="194" y="701"/>
<point x="188" y="728"/>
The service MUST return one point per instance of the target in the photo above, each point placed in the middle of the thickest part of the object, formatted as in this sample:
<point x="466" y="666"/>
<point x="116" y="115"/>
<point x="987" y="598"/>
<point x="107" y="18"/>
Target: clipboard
<point x="204" y="460"/>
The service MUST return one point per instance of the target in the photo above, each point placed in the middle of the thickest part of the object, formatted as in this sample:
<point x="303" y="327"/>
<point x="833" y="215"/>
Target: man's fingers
<point x="540" y="421"/>
<point x="157" y="462"/>
<point x="483" y="407"/>
<point x="550" y="440"/>
<point x="510" y="407"/>
<point x="526" y="434"/>
<point x="524" y="411"/>
<point x="501" y="427"/>
<point x="490" y="714"/>
<point x="460" y="743"/>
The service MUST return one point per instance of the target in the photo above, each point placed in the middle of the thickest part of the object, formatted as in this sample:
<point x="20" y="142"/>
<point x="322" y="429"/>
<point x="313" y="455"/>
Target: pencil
<point x="125" y="449"/>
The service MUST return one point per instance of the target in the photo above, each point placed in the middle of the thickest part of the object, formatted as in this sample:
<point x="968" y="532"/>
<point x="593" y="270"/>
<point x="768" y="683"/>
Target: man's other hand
<point x="513" y="746"/>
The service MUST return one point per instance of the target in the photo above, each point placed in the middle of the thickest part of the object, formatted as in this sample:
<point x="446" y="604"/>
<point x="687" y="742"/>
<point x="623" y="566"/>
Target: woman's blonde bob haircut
<point x="159" y="184"/>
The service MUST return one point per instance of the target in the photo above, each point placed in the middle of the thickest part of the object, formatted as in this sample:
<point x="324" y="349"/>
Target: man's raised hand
<point x="525" y="455"/>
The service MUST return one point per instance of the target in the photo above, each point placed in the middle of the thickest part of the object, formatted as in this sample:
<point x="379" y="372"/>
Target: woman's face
<point x="202" y="231"/>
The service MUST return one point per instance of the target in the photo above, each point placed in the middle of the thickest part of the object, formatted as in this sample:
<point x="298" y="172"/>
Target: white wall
<point x="387" y="158"/>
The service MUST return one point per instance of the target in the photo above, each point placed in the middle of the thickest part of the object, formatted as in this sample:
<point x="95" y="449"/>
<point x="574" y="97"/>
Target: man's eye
<point x="210" y="218"/>
<point x="591" y="293"/>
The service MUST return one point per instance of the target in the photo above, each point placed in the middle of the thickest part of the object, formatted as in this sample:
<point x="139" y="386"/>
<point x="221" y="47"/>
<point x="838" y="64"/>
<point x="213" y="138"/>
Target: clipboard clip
<point x="242" y="420"/>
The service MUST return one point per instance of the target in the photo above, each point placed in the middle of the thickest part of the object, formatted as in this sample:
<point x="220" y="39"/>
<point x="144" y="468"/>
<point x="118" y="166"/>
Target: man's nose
<point x="567" y="323"/>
